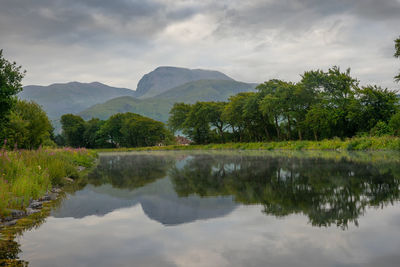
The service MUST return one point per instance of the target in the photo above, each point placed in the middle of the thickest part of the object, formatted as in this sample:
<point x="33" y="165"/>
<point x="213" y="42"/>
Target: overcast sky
<point x="117" y="42"/>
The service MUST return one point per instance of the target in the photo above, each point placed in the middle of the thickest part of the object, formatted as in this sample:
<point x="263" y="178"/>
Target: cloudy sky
<point x="117" y="42"/>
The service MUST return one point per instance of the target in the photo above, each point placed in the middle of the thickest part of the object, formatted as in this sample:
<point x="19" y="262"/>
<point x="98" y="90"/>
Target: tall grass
<point x="27" y="175"/>
<point x="349" y="144"/>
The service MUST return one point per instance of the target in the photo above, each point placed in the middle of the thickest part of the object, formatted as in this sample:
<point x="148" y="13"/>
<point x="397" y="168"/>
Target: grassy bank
<point x="26" y="175"/>
<point x="350" y="144"/>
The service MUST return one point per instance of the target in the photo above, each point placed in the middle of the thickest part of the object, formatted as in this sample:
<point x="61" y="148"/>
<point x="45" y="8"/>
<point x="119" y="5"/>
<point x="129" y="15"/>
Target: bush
<point x="394" y="123"/>
<point x="381" y="129"/>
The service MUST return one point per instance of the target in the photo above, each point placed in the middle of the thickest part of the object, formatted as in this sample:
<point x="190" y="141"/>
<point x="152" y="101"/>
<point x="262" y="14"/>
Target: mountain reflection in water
<point x="176" y="188"/>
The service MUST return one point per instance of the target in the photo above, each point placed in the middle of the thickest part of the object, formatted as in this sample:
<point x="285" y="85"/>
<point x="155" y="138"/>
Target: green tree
<point x="397" y="54"/>
<point x="28" y="125"/>
<point x="197" y="124"/>
<point x="139" y="131"/>
<point x="278" y="102"/>
<point x="92" y="136"/>
<point x="73" y="127"/>
<point x="112" y="128"/>
<point x="258" y="125"/>
<point x="178" y="115"/>
<point x="336" y="92"/>
<point x="233" y="114"/>
<point x="10" y="85"/>
<point x="371" y="105"/>
<point x="214" y="112"/>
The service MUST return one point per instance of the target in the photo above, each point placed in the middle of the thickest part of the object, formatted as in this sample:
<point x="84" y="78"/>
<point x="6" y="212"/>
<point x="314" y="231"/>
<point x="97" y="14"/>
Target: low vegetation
<point x="389" y="143"/>
<point x="27" y="174"/>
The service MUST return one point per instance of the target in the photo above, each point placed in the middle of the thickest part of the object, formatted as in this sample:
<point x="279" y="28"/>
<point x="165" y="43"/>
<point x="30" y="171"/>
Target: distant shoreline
<point x="385" y="143"/>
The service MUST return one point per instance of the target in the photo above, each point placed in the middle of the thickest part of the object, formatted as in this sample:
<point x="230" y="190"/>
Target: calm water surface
<point x="226" y="209"/>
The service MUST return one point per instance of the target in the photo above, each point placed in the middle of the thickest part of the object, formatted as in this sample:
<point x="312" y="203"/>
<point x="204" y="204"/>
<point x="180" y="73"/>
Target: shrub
<point x="381" y="129"/>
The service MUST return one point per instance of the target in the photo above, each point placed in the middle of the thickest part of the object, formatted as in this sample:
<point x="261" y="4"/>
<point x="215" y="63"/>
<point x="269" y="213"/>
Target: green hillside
<point x="73" y="97"/>
<point x="158" y="107"/>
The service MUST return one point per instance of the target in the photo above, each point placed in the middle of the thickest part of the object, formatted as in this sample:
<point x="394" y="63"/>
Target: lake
<point x="230" y="208"/>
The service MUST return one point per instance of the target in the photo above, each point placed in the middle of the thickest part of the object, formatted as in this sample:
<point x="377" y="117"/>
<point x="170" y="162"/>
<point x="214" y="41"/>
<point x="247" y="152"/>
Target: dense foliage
<point x="120" y="130"/>
<point x="322" y="105"/>
<point x="10" y="85"/>
<point x="397" y="54"/>
<point x="28" y="126"/>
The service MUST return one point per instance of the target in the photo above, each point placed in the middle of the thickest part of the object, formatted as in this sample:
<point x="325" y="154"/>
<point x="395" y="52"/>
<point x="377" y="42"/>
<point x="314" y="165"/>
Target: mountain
<point x="158" y="107"/>
<point x="61" y="98"/>
<point x="164" y="78"/>
<point x="159" y="202"/>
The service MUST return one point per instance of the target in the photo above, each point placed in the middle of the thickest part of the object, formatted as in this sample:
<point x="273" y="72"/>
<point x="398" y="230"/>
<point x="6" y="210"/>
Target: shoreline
<point x="385" y="143"/>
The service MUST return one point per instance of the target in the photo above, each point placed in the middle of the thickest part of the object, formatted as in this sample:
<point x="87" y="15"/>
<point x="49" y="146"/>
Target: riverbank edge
<point x="385" y="143"/>
<point x="40" y="208"/>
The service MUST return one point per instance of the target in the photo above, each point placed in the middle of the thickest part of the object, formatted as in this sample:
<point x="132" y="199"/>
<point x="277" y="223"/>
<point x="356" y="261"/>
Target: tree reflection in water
<point x="327" y="191"/>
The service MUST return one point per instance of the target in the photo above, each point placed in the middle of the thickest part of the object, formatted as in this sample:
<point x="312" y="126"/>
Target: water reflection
<point x="221" y="209"/>
<point x="327" y="191"/>
<point x="127" y="180"/>
<point x="176" y="188"/>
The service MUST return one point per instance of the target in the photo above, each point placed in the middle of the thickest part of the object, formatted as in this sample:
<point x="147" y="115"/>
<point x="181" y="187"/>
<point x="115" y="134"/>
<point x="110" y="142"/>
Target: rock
<point x="8" y="218"/>
<point x="17" y="213"/>
<point x="9" y="223"/>
<point x="30" y="211"/>
<point x="69" y="179"/>
<point x="35" y="205"/>
<point x="45" y="198"/>
<point x="56" y="190"/>
<point x="81" y="168"/>
<point x="53" y="196"/>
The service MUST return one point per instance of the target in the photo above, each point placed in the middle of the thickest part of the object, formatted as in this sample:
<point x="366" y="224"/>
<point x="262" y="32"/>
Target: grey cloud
<point x="250" y="40"/>
<point x="80" y="21"/>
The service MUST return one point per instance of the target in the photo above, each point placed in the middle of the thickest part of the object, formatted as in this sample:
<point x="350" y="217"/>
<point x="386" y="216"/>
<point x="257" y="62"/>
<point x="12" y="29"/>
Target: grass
<point x="350" y="144"/>
<point x="27" y="175"/>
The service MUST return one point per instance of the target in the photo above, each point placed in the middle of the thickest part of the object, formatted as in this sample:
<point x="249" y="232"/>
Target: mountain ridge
<point x="164" y="78"/>
<point x="158" y="107"/>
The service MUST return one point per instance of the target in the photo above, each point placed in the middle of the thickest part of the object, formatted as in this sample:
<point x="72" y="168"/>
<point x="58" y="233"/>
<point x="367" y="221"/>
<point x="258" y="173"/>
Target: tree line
<point x="322" y="105"/>
<point x="120" y="130"/>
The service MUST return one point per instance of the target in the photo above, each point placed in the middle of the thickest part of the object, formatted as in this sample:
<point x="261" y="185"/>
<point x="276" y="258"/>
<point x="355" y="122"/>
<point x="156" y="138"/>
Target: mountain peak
<point x="164" y="78"/>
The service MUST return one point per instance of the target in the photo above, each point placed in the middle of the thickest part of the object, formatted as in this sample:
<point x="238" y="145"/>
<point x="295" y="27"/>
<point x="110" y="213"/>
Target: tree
<point x="233" y="114"/>
<point x="112" y="128"/>
<point x="336" y="91"/>
<point x="139" y="131"/>
<point x="92" y="136"/>
<point x="278" y="102"/>
<point x="214" y="112"/>
<point x="10" y="85"/>
<point x="73" y="127"/>
<point x="197" y="124"/>
<point x="371" y="105"/>
<point x="28" y="125"/>
<point x="397" y="54"/>
<point x="178" y="115"/>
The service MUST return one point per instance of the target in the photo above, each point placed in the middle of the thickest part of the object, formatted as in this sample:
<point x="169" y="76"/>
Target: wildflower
<point x="39" y="167"/>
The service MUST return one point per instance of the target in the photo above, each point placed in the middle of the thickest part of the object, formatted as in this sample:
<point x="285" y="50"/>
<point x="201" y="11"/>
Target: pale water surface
<point x="227" y="209"/>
